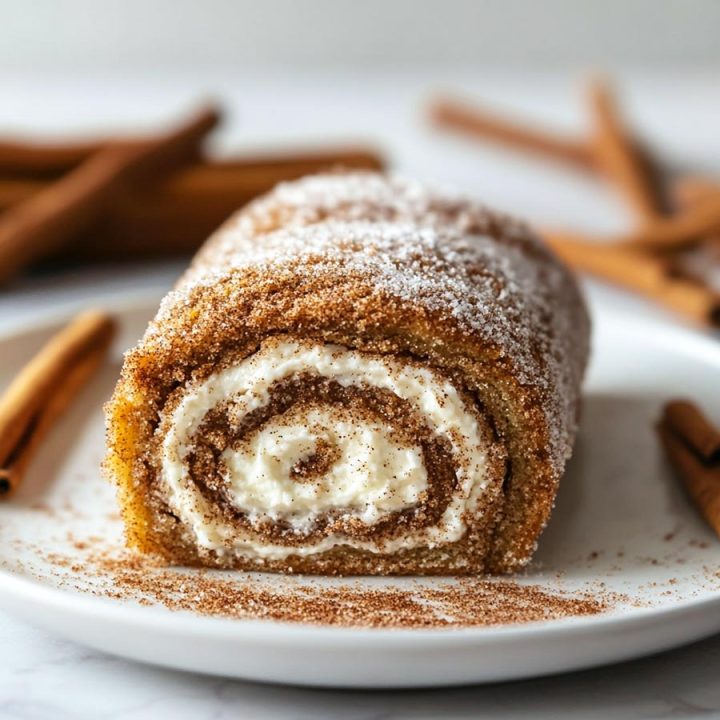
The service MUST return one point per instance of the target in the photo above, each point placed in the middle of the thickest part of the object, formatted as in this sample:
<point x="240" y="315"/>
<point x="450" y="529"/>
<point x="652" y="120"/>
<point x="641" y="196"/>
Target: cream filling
<point x="372" y="476"/>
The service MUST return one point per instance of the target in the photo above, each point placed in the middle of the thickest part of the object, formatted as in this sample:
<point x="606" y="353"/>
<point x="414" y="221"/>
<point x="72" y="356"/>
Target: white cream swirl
<point x="371" y="476"/>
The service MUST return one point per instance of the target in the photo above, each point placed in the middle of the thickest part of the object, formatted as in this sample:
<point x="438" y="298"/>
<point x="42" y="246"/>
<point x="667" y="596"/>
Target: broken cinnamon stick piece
<point x="41" y="392"/>
<point x="475" y="121"/>
<point x="47" y="220"/>
<point x="618" y="156"/>
<point x="684" y="433"/>
<point x="645" y="274"/>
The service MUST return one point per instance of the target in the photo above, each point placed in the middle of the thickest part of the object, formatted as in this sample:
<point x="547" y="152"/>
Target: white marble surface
<point x="44" y="677"/>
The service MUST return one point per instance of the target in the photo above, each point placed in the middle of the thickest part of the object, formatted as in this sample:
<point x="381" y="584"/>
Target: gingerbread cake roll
<point x="356" y="375"/>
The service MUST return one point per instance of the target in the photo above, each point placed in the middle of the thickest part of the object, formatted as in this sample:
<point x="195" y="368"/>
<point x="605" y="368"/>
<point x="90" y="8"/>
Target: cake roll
<point x="356" y="375"/>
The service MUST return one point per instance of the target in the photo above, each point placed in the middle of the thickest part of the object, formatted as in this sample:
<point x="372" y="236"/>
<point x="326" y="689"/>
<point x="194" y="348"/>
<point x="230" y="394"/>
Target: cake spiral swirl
<point x="304" y="447"/>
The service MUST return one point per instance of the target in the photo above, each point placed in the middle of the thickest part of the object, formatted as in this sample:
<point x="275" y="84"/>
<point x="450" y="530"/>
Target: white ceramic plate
<point x="620" y="521"/>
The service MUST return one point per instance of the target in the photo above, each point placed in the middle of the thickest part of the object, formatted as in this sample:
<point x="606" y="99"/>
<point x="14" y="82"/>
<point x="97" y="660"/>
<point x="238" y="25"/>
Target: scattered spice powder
<point x="447" y="604"/>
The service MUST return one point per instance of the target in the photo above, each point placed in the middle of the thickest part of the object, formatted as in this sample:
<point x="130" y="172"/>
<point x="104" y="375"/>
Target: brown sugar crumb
<point x="447" y="604"/>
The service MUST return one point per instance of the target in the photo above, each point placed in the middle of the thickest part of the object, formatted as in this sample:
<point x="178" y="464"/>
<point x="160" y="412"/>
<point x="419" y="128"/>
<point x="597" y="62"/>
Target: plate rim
<point x="17" y="586"/>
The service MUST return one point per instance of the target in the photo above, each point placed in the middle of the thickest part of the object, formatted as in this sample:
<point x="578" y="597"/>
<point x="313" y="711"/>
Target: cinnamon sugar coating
<point x="384" y="266"/>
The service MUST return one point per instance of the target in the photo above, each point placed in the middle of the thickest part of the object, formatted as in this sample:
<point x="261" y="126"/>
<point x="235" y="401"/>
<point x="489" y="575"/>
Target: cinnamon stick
<point x="175" y="215"/>
<point x="480" y="123"/>
<point x="677" y="231"/>
<point x="44" y="160"/>
<point x="691" y="444"/>
<point x="610" y="150"/>
<point x="27" y="162"/>
<point x="243" y="176"/>
<point x="687" y="421"/>
<point x="666" y="234"/>
<point x="618" y="156"/>
<point x="47" y="220"/>
<point x="640" y="272"/>
<point x="14" y="191"/>
<point x="41" y="392"/>
<point x="691" y="190"/>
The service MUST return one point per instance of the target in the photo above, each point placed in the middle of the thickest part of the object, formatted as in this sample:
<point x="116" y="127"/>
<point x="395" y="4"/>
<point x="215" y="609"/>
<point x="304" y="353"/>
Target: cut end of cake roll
<point x="356" y="375"/>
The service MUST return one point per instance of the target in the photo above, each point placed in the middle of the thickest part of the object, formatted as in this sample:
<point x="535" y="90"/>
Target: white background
<point x="253" y="35"/>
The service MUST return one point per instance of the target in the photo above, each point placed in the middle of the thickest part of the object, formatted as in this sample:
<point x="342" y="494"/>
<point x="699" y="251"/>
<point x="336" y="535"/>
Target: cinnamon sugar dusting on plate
<point x="437" y="604"/>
